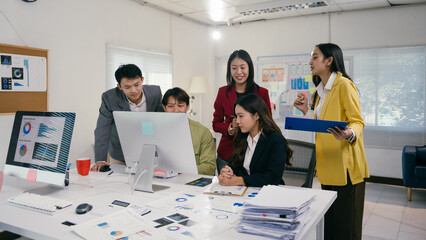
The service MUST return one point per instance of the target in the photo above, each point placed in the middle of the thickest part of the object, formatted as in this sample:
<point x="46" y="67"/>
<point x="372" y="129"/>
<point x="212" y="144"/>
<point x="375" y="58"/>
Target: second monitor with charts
<point x="39" y="146"/>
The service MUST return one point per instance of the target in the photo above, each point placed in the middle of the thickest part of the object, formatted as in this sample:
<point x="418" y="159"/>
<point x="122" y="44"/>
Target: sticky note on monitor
<point x="32" y="175"/>
<point x="147" y="128"/>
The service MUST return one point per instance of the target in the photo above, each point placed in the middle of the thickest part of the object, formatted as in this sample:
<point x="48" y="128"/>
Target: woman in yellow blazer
<point x="341" y="162"/>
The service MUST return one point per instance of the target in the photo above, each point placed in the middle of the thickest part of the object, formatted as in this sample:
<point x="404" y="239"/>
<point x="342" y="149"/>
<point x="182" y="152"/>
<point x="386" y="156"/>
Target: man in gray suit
<point x="129" y="95"/>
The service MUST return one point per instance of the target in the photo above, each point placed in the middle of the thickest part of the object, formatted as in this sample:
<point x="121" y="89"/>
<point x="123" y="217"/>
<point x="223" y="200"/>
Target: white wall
<point x="192" y="50"/>
<point x="396" y="26"/>
<point x="76" y="31"/>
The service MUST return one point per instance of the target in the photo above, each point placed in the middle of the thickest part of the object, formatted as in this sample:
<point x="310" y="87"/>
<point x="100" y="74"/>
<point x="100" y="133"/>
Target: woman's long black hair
<point x="338" y="65"/>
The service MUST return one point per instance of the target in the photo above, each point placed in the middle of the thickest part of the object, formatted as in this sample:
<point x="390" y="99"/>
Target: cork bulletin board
<point x="24" y="79"/>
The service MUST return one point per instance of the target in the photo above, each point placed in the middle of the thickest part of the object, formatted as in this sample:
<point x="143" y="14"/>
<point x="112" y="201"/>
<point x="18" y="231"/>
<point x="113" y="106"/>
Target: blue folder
<point x="312" y="125"/>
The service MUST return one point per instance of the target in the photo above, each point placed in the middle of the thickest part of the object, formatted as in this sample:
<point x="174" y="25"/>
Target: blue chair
<point x="414" y="168"/>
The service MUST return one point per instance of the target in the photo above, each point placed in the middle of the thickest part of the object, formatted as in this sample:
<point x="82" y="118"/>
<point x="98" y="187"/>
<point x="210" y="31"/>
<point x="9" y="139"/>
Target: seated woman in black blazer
<point x="260" y="150"/>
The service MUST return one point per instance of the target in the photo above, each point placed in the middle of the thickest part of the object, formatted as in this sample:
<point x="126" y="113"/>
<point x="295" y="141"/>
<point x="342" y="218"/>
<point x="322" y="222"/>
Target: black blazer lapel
<point x="258" y="152"/>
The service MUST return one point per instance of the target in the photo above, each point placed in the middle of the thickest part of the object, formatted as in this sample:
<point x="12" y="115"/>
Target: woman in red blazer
<point x="240" y="82"/>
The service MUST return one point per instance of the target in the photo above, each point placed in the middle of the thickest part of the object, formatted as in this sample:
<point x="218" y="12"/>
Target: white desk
<point x="100" y="190"/>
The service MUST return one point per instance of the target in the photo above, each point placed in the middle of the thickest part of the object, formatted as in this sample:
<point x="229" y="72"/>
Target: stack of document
<point x="276" y="212"/>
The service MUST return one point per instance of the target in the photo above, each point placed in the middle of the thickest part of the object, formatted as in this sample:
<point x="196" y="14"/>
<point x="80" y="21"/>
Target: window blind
<point x="156" y="67"/>
<point x="391" y="83"/>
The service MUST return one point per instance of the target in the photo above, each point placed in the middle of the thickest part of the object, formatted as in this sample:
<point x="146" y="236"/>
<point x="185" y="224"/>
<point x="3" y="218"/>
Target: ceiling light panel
<point x="278" y="6"/>
<point x="204" y="5"/>
<point x="245" y="2"/>
<point x="356" y="5"/>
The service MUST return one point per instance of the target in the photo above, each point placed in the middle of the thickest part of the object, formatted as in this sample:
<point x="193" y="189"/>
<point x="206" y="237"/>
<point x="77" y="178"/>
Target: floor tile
<point x="368" y="237"/>
<point x="410" y="236"/>
<point x="418" y="195"/>
<point x="384" y="227"/>
<point x="410" y="228"/>
<point x="372" y="196"/>
<point x="390" y="211"/>
<point x="368" y="209"/>
<point x="374" y="186"/>
<point x="414" y="220"/>
<point x="416" y="204"/>
<point x="392" y="200"/>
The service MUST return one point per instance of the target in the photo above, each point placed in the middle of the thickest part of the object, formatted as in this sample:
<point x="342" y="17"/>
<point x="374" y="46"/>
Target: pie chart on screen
<point x="27" y="128"/>
<point x="23" y="150"/>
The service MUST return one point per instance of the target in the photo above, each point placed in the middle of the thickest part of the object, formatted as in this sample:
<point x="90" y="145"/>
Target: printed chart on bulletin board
<point x="22" y="73"/>
<point x="286" y="76"/>
<point x="23" y="78"/>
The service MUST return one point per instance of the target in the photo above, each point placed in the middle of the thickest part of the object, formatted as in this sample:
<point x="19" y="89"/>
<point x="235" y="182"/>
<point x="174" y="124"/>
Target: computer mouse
<point x="83" y="208"/>
<point x="105" y="168"/>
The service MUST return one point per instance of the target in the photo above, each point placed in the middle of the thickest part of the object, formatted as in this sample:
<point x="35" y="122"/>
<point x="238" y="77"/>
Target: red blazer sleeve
<point x="223" y="109"/>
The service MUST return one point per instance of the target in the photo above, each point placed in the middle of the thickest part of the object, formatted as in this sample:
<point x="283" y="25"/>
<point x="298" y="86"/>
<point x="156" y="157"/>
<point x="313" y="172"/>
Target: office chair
<point x="303" y="170"/>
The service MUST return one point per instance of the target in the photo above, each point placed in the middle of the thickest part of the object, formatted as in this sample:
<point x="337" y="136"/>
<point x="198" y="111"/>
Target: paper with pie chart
<point x="22" y="73"/>
<point x="117" y="225"/>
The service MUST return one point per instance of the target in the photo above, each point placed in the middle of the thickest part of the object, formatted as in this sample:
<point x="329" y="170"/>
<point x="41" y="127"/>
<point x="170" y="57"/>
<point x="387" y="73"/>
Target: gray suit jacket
<point x="106" y="136"/>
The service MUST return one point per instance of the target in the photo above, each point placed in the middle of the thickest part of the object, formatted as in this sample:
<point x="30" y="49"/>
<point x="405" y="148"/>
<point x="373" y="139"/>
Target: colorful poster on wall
<point x="265" y="75"/>
<point x="272" y="75"/>
<point x="21" y="73"/>
<point x="280" y="74"/>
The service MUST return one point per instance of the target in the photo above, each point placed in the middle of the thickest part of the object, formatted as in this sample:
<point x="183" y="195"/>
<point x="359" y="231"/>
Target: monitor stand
<point x="46" y="190"/>
<point x="145" y="170"/>
<point x="39" y="188"/>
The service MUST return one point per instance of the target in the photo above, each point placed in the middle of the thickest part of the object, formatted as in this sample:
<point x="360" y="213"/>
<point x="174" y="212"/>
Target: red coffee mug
<point x="83" y="166"/>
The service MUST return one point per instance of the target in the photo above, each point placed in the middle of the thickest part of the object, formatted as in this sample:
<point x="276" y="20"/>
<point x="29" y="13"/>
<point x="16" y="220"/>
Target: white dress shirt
<point x="322" y="93"/>
<point x="251" y="146"/>
<point x="140" y="107"/>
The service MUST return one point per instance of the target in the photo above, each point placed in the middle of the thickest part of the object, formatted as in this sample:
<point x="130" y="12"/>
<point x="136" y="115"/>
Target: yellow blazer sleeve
<point x="352" y="107"/>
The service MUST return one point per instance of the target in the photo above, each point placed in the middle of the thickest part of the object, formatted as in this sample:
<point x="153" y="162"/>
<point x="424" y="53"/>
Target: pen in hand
<point x="110" y="173"/>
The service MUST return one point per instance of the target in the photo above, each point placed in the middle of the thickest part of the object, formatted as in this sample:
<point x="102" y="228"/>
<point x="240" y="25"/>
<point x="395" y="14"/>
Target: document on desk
<point x="217" y="189"/>
<point x="113" y="226"/>
<point x="202" y="207"/>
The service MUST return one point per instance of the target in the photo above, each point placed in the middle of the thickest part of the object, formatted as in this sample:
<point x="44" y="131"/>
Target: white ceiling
<point x="220" y="12"/>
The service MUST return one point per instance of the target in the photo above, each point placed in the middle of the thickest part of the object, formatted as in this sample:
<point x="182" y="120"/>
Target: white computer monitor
<point x="169" y="132"/>
<point x="39" y="146"/>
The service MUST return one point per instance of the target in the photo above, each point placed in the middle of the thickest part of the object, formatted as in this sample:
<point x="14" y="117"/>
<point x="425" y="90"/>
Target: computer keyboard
<point x="38" y="203"/>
